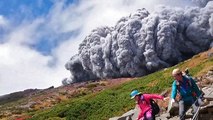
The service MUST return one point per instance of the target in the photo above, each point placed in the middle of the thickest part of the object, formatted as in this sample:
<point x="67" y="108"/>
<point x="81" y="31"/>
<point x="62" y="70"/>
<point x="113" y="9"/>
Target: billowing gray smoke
<point x="201" y="3"/>
<point x="143" y="43"/>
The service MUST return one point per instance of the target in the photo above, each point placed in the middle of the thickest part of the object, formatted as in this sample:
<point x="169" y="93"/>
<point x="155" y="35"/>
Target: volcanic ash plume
<point x="143" y="43"/>
<point x="201" y="3"/>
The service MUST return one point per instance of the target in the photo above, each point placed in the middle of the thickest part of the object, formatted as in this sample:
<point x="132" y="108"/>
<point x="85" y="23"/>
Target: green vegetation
<point x="115" y="101"/>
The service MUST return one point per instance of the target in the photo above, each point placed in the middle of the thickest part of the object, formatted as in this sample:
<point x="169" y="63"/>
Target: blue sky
<point x="39" y="36"/>
<point x="20" y="11"/>
<point x="25" y="7"/>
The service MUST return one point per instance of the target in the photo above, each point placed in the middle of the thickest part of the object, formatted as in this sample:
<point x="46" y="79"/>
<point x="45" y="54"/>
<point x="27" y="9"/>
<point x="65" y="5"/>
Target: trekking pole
<point x="196" y="113"/>
<point x="195" y="116"/>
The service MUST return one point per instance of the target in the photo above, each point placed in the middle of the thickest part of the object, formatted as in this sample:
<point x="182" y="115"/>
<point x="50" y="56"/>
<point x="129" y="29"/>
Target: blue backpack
<point x="189" y="85"/>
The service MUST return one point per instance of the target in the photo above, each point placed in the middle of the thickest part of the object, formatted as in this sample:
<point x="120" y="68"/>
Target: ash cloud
<point x="201" y="3"/>
<point x="143" y="43"/>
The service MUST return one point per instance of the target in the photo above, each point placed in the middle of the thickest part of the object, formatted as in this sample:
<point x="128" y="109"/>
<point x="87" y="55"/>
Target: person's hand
<point x="172" y="101"/>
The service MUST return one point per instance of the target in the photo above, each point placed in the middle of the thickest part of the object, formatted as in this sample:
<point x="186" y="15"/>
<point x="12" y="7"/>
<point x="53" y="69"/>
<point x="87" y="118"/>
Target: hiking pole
<point x="196" y="113"/>
<point x="195" y="116"/>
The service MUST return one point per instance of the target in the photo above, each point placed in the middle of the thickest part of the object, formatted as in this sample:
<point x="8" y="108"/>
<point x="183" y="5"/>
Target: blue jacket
<point x="186" y="91"/>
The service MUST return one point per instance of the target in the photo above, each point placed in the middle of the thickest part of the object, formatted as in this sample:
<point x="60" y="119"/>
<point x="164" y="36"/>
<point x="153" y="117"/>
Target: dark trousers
<point x="183" y="107"/>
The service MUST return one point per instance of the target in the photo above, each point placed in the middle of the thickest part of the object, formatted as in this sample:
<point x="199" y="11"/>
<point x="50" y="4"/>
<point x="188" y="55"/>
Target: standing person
<point x="143" y="102"/>
<point x="188" y="91"/>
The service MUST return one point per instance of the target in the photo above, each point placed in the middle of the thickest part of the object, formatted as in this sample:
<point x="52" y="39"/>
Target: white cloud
<point x="3" y="21"/>
<point x="25" y="33"/>
<point x="22" y="67"/>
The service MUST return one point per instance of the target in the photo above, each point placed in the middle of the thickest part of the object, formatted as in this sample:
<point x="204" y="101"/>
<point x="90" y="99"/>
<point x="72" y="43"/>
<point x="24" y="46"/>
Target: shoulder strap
<point x="188" y="80"/>
<point x="178" y="85"/>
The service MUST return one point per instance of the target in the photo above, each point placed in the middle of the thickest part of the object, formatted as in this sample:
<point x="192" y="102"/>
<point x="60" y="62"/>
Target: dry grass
<point x="198" y="59"/>
<point x="152" y="84"/>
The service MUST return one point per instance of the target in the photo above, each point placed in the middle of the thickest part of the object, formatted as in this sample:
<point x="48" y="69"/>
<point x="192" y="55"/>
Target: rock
<point x="130" y="115"/>
<point x="208" y="93"/>
<point x="164" y="116"/>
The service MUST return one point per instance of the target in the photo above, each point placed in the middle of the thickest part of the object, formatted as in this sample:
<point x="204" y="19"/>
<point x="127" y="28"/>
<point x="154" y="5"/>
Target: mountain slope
<point x="115" y="101"/>
<point x="99" y="99"/>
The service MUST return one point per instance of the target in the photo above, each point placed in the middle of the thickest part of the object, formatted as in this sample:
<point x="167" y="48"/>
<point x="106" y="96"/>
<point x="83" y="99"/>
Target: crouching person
<point x="144" y="102"/>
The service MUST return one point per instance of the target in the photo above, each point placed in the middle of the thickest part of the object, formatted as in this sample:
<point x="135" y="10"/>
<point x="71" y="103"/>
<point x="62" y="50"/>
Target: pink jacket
<point x="144" y="103"/>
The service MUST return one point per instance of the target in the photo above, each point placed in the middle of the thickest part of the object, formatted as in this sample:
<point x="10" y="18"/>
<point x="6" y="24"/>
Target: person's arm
<point x="174" y="90"/>
<point x="195" y="87"/>
<point x="153" y="96"/>
<point x="140" y="115"/>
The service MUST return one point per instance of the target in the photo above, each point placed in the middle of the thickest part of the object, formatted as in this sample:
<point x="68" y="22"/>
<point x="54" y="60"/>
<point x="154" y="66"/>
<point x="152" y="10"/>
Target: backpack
<point x="179" y="86"/>
<point x="189" y="84"/>
<point x="155" y="107"/>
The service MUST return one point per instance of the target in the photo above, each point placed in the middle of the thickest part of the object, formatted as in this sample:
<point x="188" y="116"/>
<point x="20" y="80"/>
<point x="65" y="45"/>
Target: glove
<point x="172" y="101"/>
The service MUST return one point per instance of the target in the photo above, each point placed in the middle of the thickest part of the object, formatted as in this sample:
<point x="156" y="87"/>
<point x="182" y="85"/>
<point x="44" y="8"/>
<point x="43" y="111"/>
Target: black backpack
<point x="155" y="107"/>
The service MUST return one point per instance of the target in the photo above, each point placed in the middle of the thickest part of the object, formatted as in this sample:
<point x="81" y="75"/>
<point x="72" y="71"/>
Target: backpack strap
<point x="178" y="85"/>
<point x="189" y="84"/>
<point x="194" y="94"/>
<point x="188" y="80"/>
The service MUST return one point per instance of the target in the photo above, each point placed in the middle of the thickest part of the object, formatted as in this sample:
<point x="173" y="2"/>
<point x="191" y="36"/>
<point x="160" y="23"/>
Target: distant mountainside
<point x="17" y="95"/>
<point x="21" y="94"/>
<point x="143" y="43"/>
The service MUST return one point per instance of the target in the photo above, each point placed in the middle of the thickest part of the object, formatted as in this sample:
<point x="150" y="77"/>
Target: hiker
<point x="144" y="103"/>
<point x="188" y="91"/>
